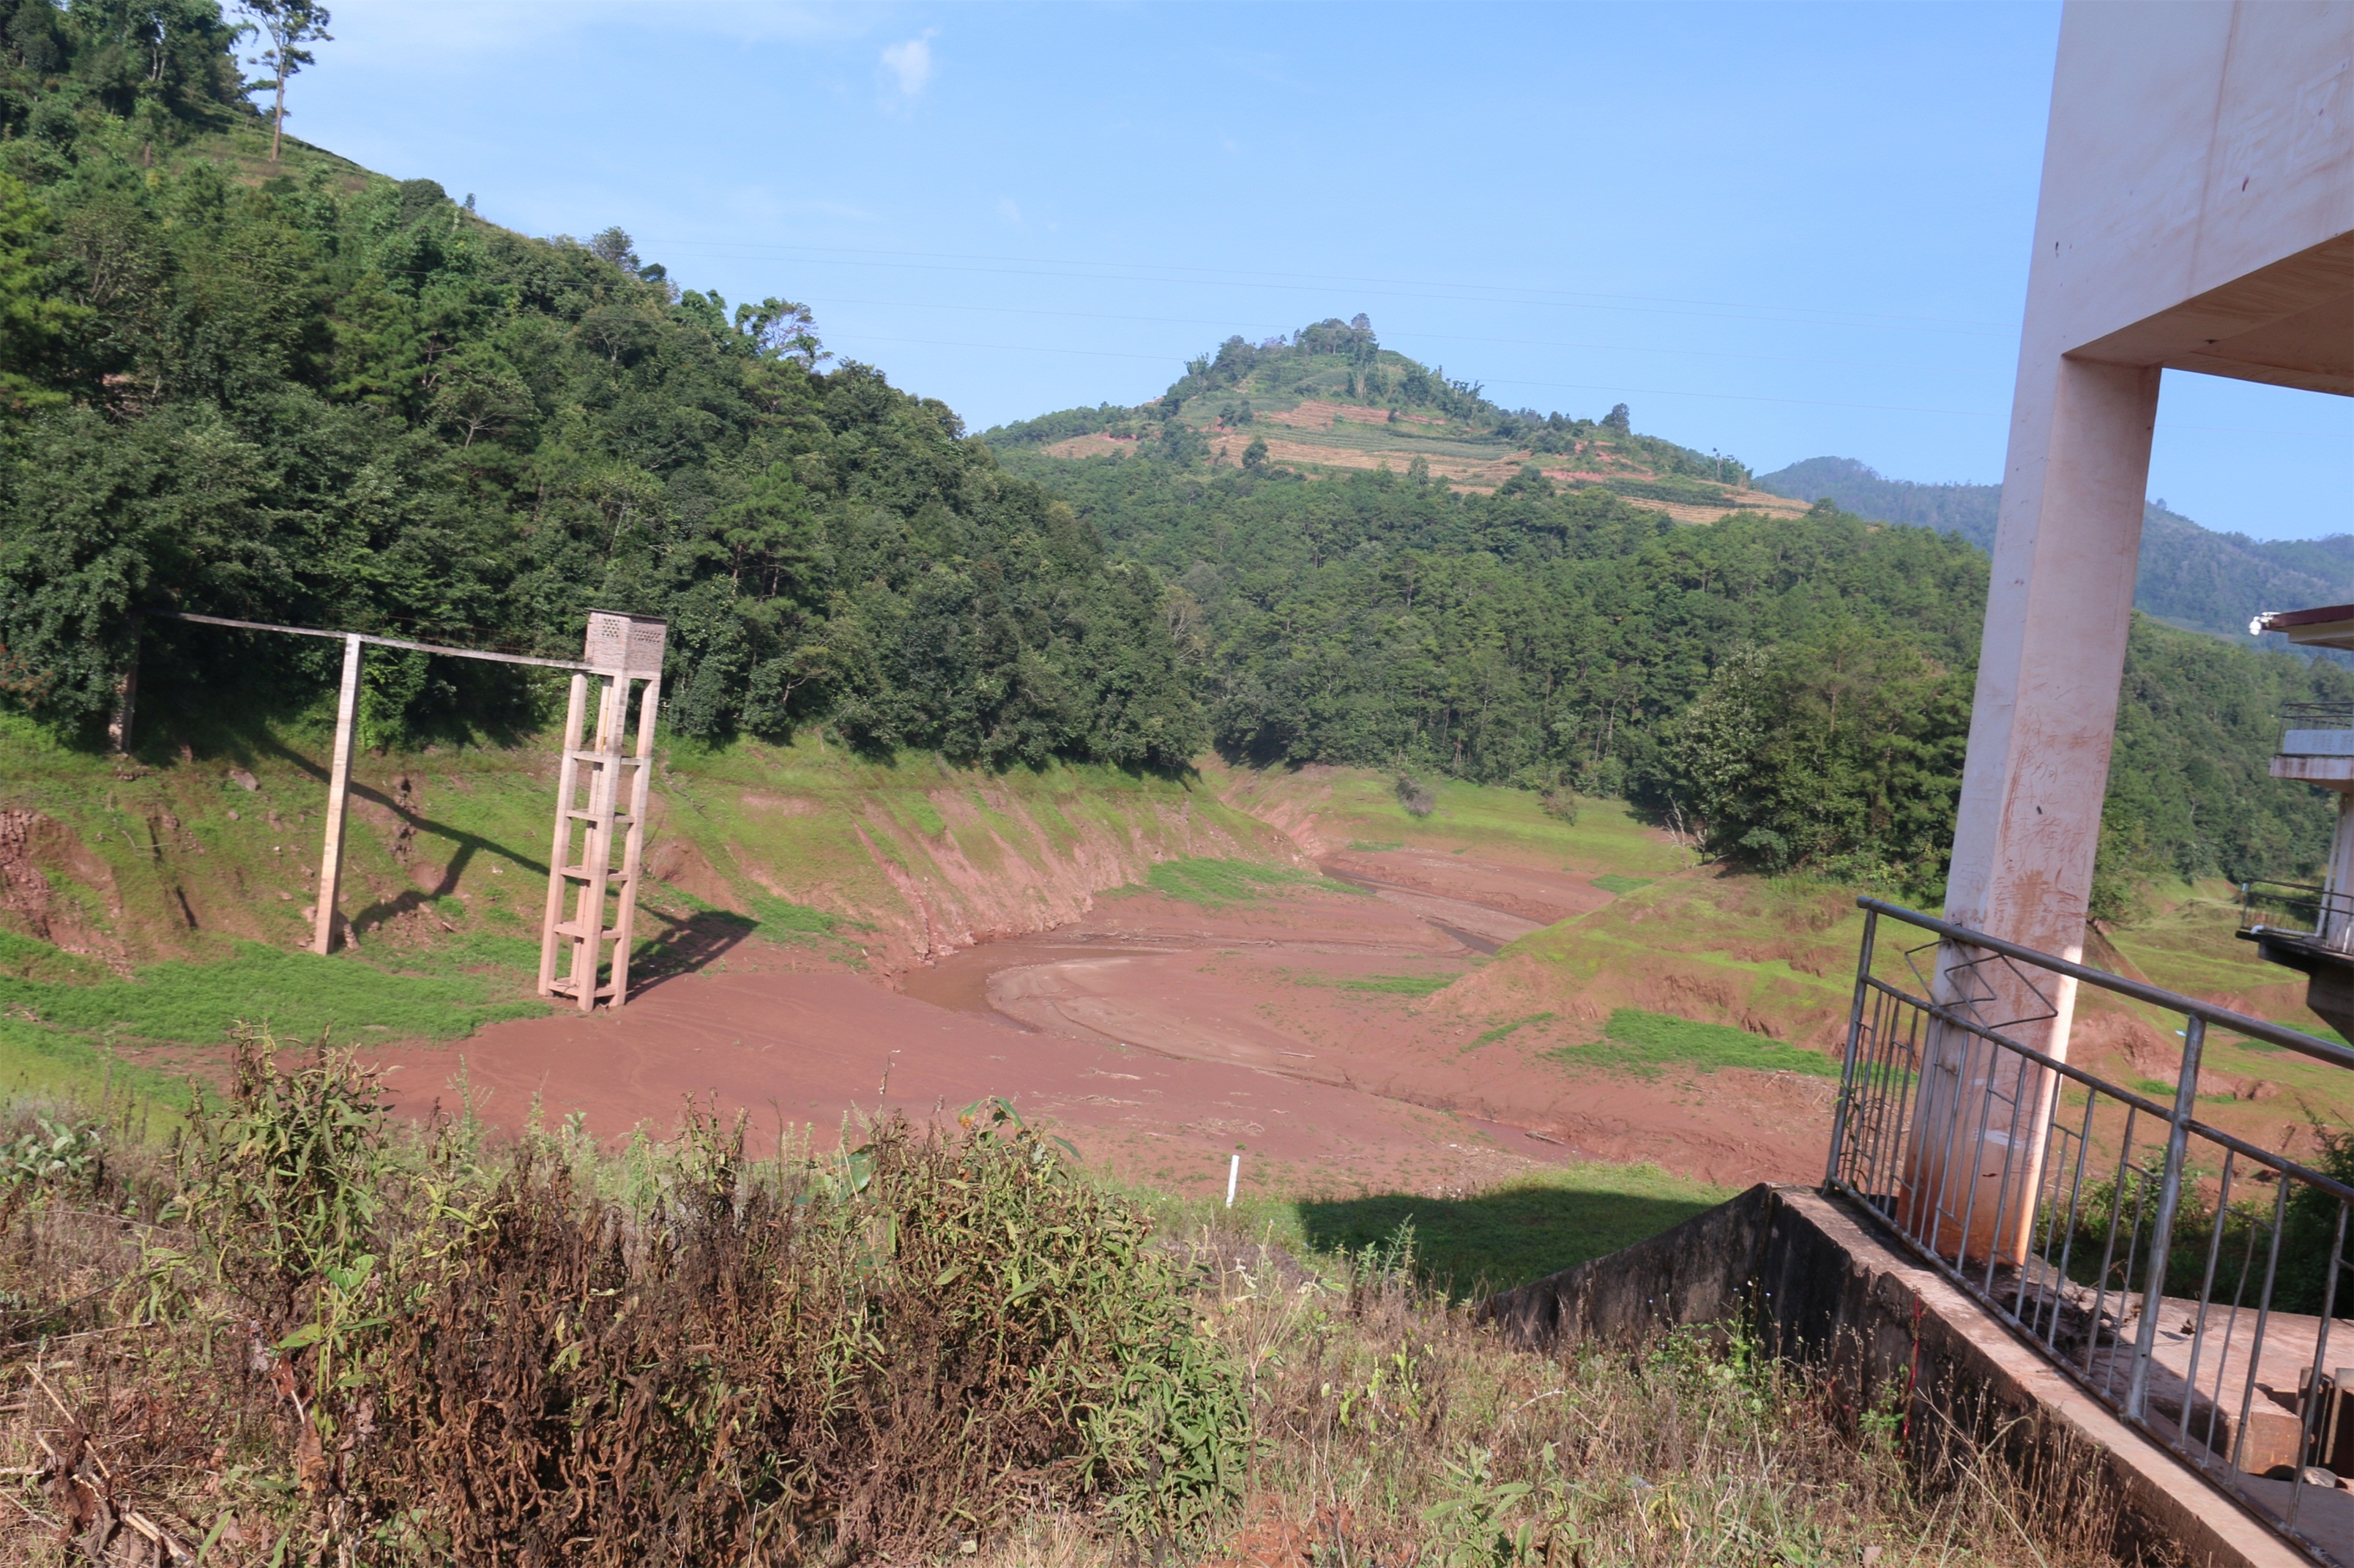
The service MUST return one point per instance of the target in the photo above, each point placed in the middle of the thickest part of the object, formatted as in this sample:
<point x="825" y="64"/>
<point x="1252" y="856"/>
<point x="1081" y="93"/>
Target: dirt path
<point x="1307" y="1028"/>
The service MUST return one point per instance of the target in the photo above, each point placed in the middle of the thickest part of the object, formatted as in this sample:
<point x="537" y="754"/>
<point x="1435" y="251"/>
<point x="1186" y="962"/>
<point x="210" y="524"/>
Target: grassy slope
<point x="1774" y="958"/>
<point x="188" y="893"/>
<point x="1473" y="1244"/>
<point x="1346" y="808"/>
<point x="1777" y="957"/>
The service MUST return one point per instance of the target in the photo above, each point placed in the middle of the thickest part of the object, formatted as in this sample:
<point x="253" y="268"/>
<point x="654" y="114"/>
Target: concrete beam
<point x="2288" y="324"/>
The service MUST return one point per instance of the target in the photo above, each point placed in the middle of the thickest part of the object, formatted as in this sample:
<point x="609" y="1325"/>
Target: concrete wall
<point x="1813" y="1283"/>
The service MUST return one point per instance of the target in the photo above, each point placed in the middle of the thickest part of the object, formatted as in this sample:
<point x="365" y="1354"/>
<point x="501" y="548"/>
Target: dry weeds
<point x="304" y="1337"/>
<point x="1393" y="1431"/>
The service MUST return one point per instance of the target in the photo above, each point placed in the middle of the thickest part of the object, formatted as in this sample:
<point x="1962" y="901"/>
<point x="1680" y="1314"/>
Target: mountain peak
<point x="1329" y="400"/>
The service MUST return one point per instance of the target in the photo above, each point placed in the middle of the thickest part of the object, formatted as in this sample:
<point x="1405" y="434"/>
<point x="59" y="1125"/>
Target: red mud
<point x="1160" y="1035"/>
<point x="1293" y="988"/>
<point x="805" y="1049"/>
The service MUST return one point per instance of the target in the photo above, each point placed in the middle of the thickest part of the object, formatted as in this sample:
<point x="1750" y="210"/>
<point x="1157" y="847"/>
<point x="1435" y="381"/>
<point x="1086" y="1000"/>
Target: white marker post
<point x="1234" y="1175"/>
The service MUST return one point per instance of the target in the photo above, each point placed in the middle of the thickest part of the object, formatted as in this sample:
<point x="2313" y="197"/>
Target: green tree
<point x="354" y="403"/>
<point x="289" y="25"/>
<point x="35" y="323"/>
<point x="1570" y="637"/>
<point x="1842" y="755"/>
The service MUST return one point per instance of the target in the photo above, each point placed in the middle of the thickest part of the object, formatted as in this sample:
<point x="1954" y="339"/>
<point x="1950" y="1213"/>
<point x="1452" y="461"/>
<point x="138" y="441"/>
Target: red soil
<point x="803" y="1050"/>
<point x="1162" y="1035"/>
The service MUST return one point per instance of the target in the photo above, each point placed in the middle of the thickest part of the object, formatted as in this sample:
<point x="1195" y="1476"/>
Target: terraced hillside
<point x="1331" y="399"/>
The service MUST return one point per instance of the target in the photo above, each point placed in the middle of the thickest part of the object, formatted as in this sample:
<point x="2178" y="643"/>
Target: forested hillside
<point x="2188" y="575"/>
<point x="301" y="392"/>
<point x="1793" y="689"/>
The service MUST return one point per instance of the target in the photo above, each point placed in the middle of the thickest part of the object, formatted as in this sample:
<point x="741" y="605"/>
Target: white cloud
<point x="1010" y="210"/>
<point x="911" y="63"/>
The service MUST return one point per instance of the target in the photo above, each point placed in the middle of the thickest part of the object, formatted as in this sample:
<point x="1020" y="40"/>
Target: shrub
<point x="398" y="1349"/>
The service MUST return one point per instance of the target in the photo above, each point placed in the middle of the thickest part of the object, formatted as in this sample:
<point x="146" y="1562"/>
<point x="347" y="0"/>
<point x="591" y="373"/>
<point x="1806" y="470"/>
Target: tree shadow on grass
<point x="1474" y="1247"/>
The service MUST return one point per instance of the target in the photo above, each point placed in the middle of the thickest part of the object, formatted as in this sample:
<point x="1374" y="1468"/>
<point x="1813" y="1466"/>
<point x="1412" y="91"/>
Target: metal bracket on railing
<point x="1969" y="989"/>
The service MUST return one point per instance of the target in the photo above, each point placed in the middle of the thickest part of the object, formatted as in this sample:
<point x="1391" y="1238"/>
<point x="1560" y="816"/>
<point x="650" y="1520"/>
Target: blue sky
<point x="1776" y="231"/>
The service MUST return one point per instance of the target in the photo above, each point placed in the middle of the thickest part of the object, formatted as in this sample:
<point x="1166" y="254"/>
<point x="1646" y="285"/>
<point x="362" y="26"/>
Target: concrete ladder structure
<point x="622" y="652"/>
<point x="601" y="791"/>
<point x="2197" y="214"/>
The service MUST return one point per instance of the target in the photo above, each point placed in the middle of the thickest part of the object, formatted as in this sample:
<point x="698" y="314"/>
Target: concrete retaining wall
<point x="1815" y="1283"/>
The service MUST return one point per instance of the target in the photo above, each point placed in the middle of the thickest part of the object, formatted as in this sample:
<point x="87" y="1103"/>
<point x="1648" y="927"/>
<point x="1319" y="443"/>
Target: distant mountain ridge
<point x="2188" y="576"/>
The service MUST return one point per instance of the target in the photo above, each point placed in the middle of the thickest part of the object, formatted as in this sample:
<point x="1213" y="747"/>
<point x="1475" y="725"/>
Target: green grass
<point x="1544" y="1220"/>
<point x="22" y="958"/>
<point x="781" y="919"/>
<point x="38" y="1063"/>
<point x="1213" y="884"/>
<point x="2303" y="1026"/>
<point x="1506" y="1030"/>
<point x="300" y="995"/>
<point x="1646" y="1044"/>
<point x="1401" y="985"/>
<point x="1534" y="1225"/>
<point x="1613" y="882"/>
<point x="1359" y="808"/>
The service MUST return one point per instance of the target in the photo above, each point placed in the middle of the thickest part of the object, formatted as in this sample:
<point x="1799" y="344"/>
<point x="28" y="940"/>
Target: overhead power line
<point x="1120" y="272"/>
<point x="1559" y="386"/>
<point x="1231" y="325"/>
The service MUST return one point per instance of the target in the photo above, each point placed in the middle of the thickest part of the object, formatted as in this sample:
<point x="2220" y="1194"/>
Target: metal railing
<point x="2338" y="714"/>
<point x="2185" y="1277"/>
<point x="2298" y="909"/>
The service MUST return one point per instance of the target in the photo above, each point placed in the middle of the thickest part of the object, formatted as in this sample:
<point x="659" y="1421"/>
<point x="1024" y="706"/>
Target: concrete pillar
<point x="2058" y="609"/>
<point x="2334" y="922"/>
<point x="339" y="785"/>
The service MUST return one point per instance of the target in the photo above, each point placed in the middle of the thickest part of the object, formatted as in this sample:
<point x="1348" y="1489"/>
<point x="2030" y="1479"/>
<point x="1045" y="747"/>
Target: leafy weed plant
<point x="1396" y="1430"/>
<point x="306" y="1334"/>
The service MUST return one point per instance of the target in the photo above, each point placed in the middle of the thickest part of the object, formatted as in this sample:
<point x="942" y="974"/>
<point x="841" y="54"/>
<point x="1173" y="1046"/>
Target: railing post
<point x="2313" y="1407"/>
<point x="2170" y="1195"/>
<point x="1854" y="1037"/>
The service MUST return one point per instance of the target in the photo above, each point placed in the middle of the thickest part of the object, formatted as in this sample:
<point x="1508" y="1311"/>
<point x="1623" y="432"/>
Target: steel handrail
<point x="2237" y="1022"/>
<point x="2142" y="1102"/>
<point x="2011" y="1238"/>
